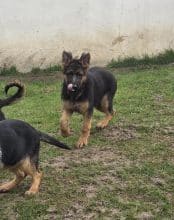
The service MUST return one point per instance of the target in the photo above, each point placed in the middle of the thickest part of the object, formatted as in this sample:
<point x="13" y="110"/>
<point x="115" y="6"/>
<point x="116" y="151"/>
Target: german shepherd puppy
<point x="83" y="89"/>
<point x="10" y="100"/>
<point x="19" y="152"/>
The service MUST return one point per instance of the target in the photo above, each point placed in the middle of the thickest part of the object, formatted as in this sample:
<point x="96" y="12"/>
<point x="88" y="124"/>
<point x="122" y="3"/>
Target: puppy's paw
<point x="101" y="125"/>
<point x="30" y="193"/>
<point x="83" y="141"/>
<point x="5" y="187"/>
<point x="3" y="190"/>
<point x="65" y="133"/>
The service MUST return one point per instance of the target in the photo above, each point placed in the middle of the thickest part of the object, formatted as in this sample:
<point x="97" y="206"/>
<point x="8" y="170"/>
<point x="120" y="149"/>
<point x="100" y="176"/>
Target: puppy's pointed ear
<point x="85" y="59"/>
<point x="66" y="58"/>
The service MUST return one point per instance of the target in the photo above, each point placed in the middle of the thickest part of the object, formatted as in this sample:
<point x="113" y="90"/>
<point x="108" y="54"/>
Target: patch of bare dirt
<point x="105" y="155"/>
<point x="110" y="180"/>
<point x="165" y="135"/>
<point x="158" y="98"/>
<point x="158" y="181"/>
<point x="89" y="190"/>
<point x="145" y="216"/>
<point x="78" y="212"/>
<point x="118" y="133"/>
<point x="51" y="213"/>
<point x="168" y="130"/>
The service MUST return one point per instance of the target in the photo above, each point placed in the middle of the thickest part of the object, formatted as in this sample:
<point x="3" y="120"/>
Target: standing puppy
<point x="83" y="89"/>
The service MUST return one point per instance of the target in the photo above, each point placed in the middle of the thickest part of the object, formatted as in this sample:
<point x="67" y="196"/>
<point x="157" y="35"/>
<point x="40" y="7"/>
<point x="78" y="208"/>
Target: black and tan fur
<point x="19" y="152"/>
<point x="83" y="89"/>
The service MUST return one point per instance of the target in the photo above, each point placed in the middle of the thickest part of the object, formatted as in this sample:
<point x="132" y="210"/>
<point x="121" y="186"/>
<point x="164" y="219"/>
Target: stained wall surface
<point x="34" y="33"/>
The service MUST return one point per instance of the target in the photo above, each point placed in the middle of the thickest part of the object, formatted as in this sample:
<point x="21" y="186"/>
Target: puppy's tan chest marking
<point x="80" y="107"/>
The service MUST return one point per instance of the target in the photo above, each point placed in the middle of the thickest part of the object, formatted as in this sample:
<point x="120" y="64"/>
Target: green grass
<point x="162" y="58"/>
<point x="50" y="69"/>
<point x="126" y="171"/>
<point x="8" y="71"/>
<point x="12" y="70"/>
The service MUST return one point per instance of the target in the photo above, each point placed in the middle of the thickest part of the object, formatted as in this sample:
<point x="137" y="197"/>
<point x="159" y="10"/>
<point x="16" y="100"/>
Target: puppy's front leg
<point x="83" y="140"/>
<point x="64" y="123"/>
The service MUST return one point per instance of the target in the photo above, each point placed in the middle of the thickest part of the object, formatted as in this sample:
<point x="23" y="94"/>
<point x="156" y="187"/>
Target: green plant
<point x="165" y="57"/>
<point x="8" y="70"/>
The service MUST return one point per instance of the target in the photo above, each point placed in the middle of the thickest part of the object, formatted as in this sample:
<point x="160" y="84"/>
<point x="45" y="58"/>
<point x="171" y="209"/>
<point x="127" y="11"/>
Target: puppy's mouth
<point x="71" y="87"/>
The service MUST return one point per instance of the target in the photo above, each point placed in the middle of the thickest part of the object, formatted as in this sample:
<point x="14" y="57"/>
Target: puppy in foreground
<point x="83" y="90"/>
<point x="19" y="152"/>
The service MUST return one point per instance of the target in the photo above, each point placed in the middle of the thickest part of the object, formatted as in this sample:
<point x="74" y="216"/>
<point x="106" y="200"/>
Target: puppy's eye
<point x="78" y="74"/>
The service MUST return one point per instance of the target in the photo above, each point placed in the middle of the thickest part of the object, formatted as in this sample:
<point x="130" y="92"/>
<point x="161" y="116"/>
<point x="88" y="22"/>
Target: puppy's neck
<point x="76" y="96"/>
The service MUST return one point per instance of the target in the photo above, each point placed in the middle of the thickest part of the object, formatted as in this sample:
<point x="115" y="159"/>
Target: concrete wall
<point x="34" y="32"/>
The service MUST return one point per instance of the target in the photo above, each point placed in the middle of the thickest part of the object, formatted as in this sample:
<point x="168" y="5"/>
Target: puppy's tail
<point x="51" y="140"/>
<point x="15" y="97"/>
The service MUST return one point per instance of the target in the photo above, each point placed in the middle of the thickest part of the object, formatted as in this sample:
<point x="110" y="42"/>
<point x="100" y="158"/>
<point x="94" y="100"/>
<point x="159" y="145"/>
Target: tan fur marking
<point x="83" y="79"/>
<point x="105" y="121"/>
<point x="11" y="184"/>
<point x="83" y="140"/>
<point x="68" y="109"/>
<point x="20" y="173"/>
<point x="64" y="123"/>
<point x="21" y="170"/>
<point x="30" y="170"/>
<point x="80" y="107"/>
<point x="104" y="108"/>
<point x="36" y="180"/>
<point x="104" y="104"/>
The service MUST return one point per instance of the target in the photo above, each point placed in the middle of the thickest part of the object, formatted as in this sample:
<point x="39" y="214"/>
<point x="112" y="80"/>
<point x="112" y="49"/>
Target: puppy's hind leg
<point x="107" y="108"/>
<point x="20" y="175"/>
<point x="36" y="180"/>
<point x="36" y="175"/>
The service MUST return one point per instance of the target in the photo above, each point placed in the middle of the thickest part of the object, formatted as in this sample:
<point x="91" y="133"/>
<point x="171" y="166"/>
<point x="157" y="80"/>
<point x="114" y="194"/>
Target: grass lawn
<point x="126" y="171"/>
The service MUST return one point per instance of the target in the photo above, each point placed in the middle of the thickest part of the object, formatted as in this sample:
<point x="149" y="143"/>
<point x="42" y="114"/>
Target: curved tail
<point x="15" y="97"/>
<point x="51" y="140"/>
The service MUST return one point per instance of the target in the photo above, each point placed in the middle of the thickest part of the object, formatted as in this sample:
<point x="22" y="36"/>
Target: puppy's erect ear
<point x="66" y="58"/>
<point x="85" y="59"/>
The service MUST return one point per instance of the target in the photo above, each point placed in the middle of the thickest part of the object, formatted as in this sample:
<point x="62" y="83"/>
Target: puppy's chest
<point x="80" y="107"/>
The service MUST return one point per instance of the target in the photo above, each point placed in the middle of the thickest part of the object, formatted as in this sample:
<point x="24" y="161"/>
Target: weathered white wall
<point x="34" y="32"/>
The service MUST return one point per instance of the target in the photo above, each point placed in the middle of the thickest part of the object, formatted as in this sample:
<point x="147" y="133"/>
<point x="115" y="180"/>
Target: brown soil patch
<point x="78" y="212"/>
<point x="105" y="155"/>
<point x="117" y="133"/>
<point x="165" y="135"/>
<point x="145" y="216"/>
